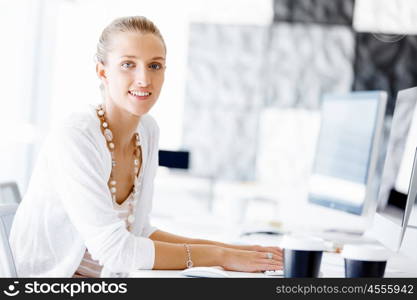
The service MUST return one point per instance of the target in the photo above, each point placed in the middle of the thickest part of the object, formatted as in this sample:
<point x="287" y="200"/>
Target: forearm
<point x="172" y="256"/>
<point x="214" y="243"/>
<point x="163" y="236"/>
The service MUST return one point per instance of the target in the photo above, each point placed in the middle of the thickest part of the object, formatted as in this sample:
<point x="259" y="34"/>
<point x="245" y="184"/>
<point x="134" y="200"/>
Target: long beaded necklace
<point x="113" y="183"/>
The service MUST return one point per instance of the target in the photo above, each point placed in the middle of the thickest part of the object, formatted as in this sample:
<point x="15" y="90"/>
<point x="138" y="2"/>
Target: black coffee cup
<point x="302" y="256"/>
<point x="365" y="260"/>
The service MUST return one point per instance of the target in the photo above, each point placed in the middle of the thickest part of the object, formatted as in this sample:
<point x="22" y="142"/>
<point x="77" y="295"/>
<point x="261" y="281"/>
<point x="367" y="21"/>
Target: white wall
<point x="387" y="16"/>
<point x="75" y="81"/>
<point x="18" y="33"/>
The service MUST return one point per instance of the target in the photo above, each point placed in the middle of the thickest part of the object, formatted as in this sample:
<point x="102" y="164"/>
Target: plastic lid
<point x="303" y="243"/>
<point x="366" y="252"/>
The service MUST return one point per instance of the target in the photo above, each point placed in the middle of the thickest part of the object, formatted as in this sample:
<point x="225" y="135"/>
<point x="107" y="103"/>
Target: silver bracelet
<point x="189" y="262"/>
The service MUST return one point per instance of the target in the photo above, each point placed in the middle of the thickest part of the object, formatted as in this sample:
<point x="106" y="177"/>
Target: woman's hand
<point x="252" y="260"/>
<point x="274" y="250"/>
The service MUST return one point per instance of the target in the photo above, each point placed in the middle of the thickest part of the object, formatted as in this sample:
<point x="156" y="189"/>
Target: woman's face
<point x="134" y="71"/>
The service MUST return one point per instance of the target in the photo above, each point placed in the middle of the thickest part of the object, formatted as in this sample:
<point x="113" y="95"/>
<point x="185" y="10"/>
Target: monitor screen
<point x="399" y="160"/>
<point x="174" y="159"/>
<point x="347" y="150"/>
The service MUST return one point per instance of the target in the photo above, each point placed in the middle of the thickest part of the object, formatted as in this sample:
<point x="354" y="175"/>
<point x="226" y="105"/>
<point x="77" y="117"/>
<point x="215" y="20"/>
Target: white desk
<point x="332" y="266"/>
<point x="177" y="274"/>
<point x="332" y="263"/>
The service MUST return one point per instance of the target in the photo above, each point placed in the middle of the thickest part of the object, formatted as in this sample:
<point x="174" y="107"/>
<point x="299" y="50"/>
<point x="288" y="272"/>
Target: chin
<point x="138" y="108"/>
<point x="139" y="111"/>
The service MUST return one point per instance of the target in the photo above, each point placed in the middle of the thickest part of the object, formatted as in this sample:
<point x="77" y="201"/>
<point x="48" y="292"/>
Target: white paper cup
<point x="302" y="255"/>
<point x="365" y="260"/>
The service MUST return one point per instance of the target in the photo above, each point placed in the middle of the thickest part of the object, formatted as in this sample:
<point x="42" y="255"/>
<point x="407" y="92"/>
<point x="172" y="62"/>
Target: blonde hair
<point x="125" y="24"/>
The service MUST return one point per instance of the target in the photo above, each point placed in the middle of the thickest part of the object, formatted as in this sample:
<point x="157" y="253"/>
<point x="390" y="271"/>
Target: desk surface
<point x="332" y="266"/>
<point x="332" y="263"/>
<point x="177" y="274"/>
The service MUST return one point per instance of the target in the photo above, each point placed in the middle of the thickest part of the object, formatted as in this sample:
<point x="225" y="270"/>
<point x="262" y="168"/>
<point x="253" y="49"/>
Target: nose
<point x="143" y="77"/>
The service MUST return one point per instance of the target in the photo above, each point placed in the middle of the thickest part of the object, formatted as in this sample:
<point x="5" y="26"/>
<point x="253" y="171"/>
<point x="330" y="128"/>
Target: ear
<point x="101" y="72"/>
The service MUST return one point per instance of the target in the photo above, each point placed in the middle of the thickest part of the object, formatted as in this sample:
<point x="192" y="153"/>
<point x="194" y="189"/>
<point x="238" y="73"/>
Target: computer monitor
<point x="347" y="151"/>
<point x="398" y="186"/>
<point x="174" y="159"/>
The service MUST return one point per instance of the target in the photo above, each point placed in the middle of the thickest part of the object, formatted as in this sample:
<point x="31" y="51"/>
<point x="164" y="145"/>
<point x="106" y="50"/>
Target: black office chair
<point x="9" y="193"/>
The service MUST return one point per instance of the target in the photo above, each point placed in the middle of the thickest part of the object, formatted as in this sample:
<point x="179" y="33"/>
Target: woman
<point x="86" y="211"/>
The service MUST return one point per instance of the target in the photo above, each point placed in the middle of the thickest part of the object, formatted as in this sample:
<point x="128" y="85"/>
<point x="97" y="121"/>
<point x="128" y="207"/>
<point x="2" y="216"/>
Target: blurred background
<point x="239" y="111"/>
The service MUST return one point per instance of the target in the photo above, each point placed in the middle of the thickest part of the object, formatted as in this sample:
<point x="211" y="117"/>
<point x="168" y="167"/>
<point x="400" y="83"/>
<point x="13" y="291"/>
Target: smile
<point x="140" y="95"/>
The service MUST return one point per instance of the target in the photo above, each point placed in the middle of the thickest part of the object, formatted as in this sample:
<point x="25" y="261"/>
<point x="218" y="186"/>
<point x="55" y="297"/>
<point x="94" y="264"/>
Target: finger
<point x="275" y="250"/>
<point x="274" y="258"/>
<point x="272" y="248"/>
<point x="271" y="262"/>
<point x="263" y="256"/>
<point x="270" y="267"/>
<point x="267" y="267"/>
<point x="276" y="253"/>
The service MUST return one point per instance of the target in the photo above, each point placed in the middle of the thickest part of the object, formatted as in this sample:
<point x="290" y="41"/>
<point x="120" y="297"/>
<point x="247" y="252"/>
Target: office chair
<point x="7" y="266"/>
<point x="9" y="193"/>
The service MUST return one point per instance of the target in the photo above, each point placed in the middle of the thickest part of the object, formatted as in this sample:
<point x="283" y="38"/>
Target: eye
<point x="127" y="65"/>
<point x="155" y="66"/>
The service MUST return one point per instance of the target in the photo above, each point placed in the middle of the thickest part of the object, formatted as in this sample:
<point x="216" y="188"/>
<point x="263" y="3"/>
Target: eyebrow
<point x="133" y="56"/>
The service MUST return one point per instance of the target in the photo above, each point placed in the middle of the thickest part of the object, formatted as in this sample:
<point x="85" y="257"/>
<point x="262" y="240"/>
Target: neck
<point x="123" y="124"/>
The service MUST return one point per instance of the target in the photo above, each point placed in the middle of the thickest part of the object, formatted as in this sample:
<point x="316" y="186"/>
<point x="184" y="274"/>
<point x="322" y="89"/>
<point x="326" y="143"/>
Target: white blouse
<point x="90" y="268"/>
<point x="68" y="206"/>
